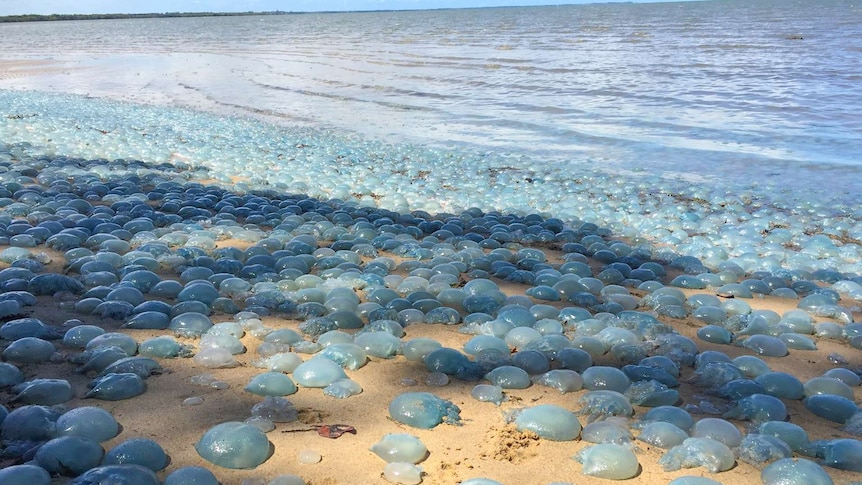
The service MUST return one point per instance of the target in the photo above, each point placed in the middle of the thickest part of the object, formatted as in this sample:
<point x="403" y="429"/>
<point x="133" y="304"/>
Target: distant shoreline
<point x="153" y="15"/>
<point x="105" y="16"/>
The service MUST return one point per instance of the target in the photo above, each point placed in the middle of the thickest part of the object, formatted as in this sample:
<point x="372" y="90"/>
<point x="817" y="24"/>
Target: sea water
<point x="603" y="113"/>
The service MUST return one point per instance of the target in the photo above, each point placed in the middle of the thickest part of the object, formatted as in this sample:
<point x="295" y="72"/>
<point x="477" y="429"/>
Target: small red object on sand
<point x="334" y="430"/>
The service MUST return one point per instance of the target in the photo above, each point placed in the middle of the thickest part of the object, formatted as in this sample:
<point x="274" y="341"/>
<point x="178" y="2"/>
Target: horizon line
<point x="204" y="13"/>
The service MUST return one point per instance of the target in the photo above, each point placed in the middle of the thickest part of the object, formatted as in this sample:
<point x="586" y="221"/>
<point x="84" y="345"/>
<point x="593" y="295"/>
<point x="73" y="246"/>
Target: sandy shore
<point x="485" y="446"/>
<point x="16" y="69"/>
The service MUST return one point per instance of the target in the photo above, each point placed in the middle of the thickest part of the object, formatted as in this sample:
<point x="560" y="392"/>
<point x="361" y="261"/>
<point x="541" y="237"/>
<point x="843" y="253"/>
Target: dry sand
<point x="485" y="446"/>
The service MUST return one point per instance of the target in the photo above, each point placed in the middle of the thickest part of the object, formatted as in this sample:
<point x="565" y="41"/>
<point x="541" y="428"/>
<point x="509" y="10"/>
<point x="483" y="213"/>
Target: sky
<point x="46" y="7"/>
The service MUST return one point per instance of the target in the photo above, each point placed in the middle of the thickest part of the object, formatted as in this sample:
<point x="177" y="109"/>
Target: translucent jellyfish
<point x="69" y="455"/>
<point x="662" y="434"/>
<point x="480" y="481"/>
<point x="693" y="481"/>
<point x="275" y="409"/>
<point x="77" y="337"/>
<point x="792" y="434"/>
<point x="751" y="366"/>
<point x="403" y="473"/>
<point x="23" y="298"/>
<point x="483" y="342"/>
<point x="142" y="366"/>
<point x="317" y="326"/>
<point x="215" y="358"/>
<point x="693" y="452"/>
<point x="757" y="449"/>
<point x="234" y="445"/>
<point x="417" y="349"/>
<point x="271" y="384"/>
<point x="603" y="403"/>
<point x="487" y="393"/>
<point x="519" y="337"/>
<point x="46" y="392"/>
<point x="149" y="320"/>
<point x="97" y="359"/>
<point x="379" y="344"/>
<point x="342" y="389"/>
<point x="532" y="361"/>
<point x="333" y="337"/>
<point x="318" y="372"/>
<point x="116" y="339"/>
<point x="30" y="423"/>
<point x="509" y="377"/>
<point x="27" y="327"/>
<point x="781" y="385"/>
<point x="827" y="385"/>
<point x="646" y="372"/>
<point x="794" y="471"/>
<point x="738" y="389"/>
<point x="609" y="461"/>
<point x="563" y="380"/>
<point x="574" y="359"/>
<point x="282" y="480"/>
<point x="835" y="408"/>
<point x="605" y="378"/>
<point x="718" y="430"/>
<point x="51" y="283"/>
<point x="280" y="362"/>
<point x="714" y="334"/>
<point x="116" y="387"/>
<point x="191" y="475"/>
<point x="712" y="375"/>
<point x="137" y="451"/>
<point x="843" y="454"/>
<point x="608" y="431"/>
<point x="669" y="414"/>
<point x="28" y="350"/>
<point x="400" y="447"/>
<point x="282" y="336"/>
<point x="651" y="394"/>
<point x="797" y="341"/>
<point x="29" y="474"/>
<point x="830" y="330"/>
<point x="190" y="324"/>
<point x="166" y="289"/>
<point x="844" y="375"/>
<point x="115" y="309"/>
<point x="348" y="355"/>
<point x="117" y="474"/>
<point x="164" y="347"/>
<point x="200" y="291"/>
<point x="88" y="422"/>
<point x="384" y="325"/>
<point x="451" y="362"/>
<point x="549" y="421"/>
<point x="550" y="345"/>
<point x="758" y="408"/>
<point x="766" y="345"/>
<point x="423" y="410"/>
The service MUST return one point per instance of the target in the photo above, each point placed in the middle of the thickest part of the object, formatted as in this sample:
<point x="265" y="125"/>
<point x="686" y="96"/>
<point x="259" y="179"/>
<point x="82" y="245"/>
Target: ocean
<point x="706" y="88"/>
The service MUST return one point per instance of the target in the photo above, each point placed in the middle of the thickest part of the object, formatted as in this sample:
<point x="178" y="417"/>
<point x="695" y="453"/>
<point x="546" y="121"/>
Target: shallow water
<point x="698" y="87"/>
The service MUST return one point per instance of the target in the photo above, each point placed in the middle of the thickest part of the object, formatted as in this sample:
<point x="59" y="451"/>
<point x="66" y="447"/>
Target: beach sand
<point x="484" y="446"/>
<point x="16" y="69"/>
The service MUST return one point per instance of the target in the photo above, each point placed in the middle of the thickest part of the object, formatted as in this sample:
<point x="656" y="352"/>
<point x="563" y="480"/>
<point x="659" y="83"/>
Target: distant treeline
<point x="99" y="16"/>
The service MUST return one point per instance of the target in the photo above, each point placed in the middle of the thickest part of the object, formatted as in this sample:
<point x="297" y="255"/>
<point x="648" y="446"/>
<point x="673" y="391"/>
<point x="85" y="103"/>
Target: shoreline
<point x="673" y="212"/>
